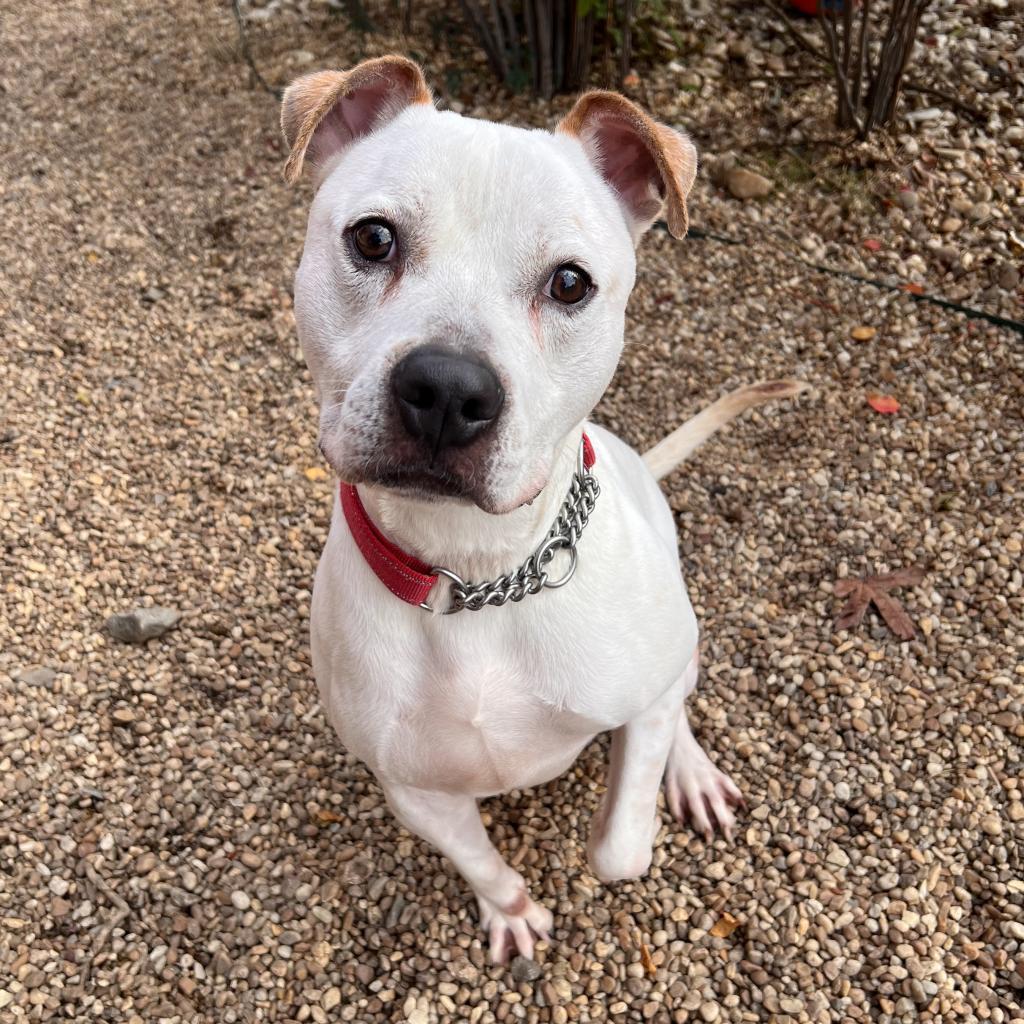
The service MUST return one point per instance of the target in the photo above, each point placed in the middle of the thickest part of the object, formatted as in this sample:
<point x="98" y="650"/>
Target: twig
<point x="952" y="100"/>
<point x="243" y="41"/>
<point x="122" y="911"/>
<point x="802" y="41"/>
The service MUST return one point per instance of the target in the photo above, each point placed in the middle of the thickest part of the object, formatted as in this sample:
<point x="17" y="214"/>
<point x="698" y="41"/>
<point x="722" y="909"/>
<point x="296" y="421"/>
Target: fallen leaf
<point x="872" y="244"/>
<point x="724" y="926"/>
<point x="883" y="403"/>
<point x="316" y="473"/>
<point x="914" y="288"/>
<point x="875" y="589"/>
<point x="863" y="333"/>
<point x="327" y="817"/>
<point x="645" y="959"/>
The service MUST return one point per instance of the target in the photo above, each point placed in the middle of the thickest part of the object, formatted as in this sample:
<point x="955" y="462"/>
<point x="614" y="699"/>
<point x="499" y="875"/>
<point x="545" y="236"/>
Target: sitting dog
<point x="501" y="580"/>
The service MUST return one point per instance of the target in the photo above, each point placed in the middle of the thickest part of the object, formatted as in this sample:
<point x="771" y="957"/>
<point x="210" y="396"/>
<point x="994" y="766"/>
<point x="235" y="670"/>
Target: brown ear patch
<point x="672" y="153"/>
<point x="395" y="81"/>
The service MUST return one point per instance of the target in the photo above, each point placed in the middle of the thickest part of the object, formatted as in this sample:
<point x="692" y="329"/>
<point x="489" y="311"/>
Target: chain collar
<point x="532" y="576"/>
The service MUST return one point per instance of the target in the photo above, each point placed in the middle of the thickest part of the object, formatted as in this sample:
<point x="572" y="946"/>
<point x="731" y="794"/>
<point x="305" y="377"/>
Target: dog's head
<point x="461" y="295"/>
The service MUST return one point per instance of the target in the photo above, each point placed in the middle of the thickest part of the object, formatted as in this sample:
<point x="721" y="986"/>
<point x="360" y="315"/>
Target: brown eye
<point x="375" y="240"/>
<point x="569" y="284"/>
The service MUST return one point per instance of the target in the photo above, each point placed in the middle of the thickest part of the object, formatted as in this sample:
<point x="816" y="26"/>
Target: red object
<point x="811" y="7"/>
<point x="872" y="244"/>
<point x="403" y="574"/>
<point x="883" y="403"/>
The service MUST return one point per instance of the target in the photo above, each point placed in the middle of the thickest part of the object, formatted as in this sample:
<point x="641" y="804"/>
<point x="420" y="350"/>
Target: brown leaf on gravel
<point x="645" y="959"/>
<point x="875" y="589"/>
<point x="327" y="817"/>
<point x="724" y="926"/>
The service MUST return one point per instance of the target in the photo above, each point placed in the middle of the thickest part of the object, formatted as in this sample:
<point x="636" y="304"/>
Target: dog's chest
<point x="474" y="725"/>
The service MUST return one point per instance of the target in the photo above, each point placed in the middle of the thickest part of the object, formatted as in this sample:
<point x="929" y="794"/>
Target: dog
<point x="500" y="582"/>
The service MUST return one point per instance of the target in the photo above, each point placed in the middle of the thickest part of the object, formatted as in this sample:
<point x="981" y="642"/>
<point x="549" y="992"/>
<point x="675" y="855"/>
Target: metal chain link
<point x="532" y="576"/>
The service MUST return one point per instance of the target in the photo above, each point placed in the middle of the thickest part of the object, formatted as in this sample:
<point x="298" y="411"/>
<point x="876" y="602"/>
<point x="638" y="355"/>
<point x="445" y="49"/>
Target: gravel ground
<point x="182" y="837"/>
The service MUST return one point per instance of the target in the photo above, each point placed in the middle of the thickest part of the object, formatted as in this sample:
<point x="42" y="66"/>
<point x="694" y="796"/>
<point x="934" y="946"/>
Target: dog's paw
<point x="515" y="926"/>
<point x="697" y="791"/>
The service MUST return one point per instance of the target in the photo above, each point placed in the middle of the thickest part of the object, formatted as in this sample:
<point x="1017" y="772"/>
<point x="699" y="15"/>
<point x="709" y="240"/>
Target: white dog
<point x="460" y="304"/>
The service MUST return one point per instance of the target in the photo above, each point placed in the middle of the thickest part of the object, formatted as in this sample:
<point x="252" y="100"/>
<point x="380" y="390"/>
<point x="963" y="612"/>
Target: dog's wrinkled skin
<point x="445" y="710"/>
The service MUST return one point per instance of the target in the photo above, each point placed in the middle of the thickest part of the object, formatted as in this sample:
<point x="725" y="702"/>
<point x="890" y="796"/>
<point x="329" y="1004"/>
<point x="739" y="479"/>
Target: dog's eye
<point x="569" y="284"/>
<point x="374" y="239"/>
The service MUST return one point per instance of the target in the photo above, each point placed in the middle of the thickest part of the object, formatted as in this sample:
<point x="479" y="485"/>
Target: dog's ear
<point x="649" y="165"/>
<point x="324" y="112"/>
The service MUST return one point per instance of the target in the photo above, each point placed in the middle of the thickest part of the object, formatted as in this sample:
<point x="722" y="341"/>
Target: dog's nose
<point x="445" y="399"/>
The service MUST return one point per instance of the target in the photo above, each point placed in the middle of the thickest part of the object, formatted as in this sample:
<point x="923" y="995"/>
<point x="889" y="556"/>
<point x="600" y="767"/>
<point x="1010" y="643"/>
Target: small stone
<point x="980" y="211"/>
<point x="145" y="863"/>
<point x="59" y="886"/>
<point x="1014" y="930"/>
<point x="991" y="825"/>
<point x="331" y="998"/>
<point x="153" y="295"/>
<point x="888" y="881"/>
<point x="122" y="716"/>
<point x="38" y="676"/>
<point x="951" y="224"/>
<point x="220" y="963"/>
<point x="240" y="900"/>
<point x="5" y="998"/>
<point x="525" y="969"/>
<point x="464" y="970"/>
<point x="842" y="791"/>
<point x="1008" y="277"/>
<point x="908" y="199"/>
<point x="744" y="184"/>
<point x="141" y="624"/>
<point x="917" y="992"/>
<point x="709" y="1012"/>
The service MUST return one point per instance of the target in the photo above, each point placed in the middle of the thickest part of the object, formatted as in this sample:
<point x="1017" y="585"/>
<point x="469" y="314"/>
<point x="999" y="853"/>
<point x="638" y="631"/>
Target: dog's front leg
<point x="623" y="830"/>
<point x="452" y="824"/>
<point x="657" y="743"/>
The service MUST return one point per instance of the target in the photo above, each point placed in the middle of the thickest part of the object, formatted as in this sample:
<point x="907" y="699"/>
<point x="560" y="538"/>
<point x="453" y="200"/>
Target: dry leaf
<point x="645" y="959"/>
<point x="316" y="473"/>
<point x="875" y="589"/>
<point x="883" y="403"/>
<point x="327" y="817"/>
<point x="872" y="244"/>
<point x="914" y="288"/>
<point x="863" y="333"/>
<point x="724" y="926"/>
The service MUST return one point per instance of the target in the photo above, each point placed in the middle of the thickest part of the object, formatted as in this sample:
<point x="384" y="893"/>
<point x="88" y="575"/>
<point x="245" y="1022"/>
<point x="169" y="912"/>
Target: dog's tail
<point x="679" y="445"/>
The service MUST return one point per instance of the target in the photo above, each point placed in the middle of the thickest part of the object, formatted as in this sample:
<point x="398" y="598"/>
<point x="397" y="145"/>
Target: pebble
<point x="524" y="969"/>
<point x="38" y="676"/>
<point x="240" y="900"/>
<point x="991" y="825"/>
<point x="744" y="184"/>
<point x="142" y="624"/>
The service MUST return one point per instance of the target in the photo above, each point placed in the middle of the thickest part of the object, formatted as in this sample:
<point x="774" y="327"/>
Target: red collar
<point x="403" y="574"/>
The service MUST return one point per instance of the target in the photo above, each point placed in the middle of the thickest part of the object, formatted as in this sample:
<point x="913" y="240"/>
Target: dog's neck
<point x="464" y="538"/>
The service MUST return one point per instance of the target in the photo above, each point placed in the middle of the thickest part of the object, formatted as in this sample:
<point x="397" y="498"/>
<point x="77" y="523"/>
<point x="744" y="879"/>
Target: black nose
<point x="445" y="399"/>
